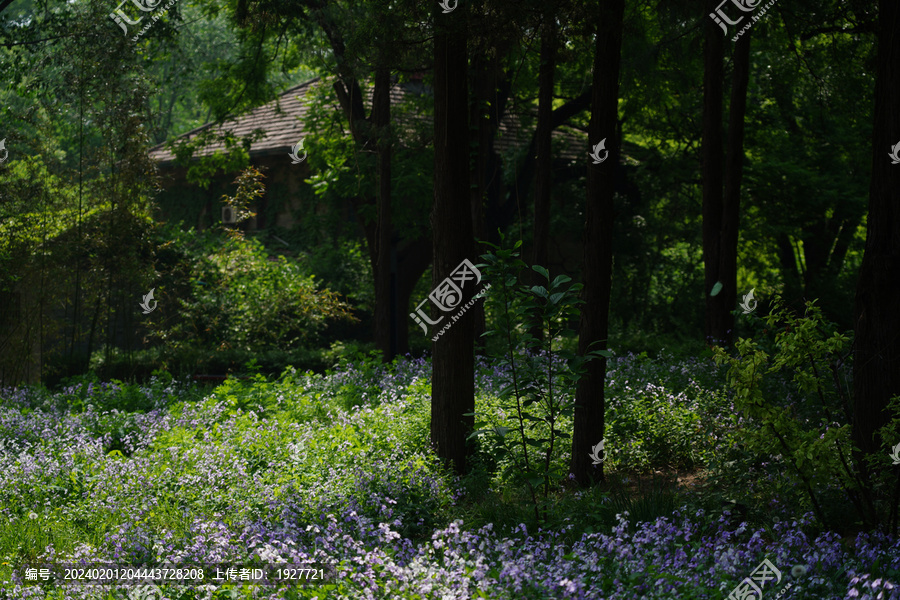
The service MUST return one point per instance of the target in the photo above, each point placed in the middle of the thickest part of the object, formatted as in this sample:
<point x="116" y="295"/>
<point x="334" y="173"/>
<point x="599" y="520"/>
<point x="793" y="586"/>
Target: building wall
<point x="286" y="200"/>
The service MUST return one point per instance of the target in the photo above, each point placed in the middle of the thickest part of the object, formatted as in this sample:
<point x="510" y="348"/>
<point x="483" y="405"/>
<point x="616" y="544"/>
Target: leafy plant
<point x="806" y="426"/>
<point x="538" y="371"/>
<point x="241" y="297"/>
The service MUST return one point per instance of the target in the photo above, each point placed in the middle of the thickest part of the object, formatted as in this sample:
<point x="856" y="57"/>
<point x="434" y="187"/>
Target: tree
<point x="721" y="208"/>
<point x="491" y="86"/>
<point x="385" y="299"/>
<point x="453" y="374"/>
<point x="544" y="159"/>
<point x="87" y="209"/>
<point x="594" y="326"/>
<point x="876" y="364"/>
<point x="357" y="51"/>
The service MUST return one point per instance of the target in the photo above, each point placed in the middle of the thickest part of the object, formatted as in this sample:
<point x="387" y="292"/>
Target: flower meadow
<point x="335" y="470"/>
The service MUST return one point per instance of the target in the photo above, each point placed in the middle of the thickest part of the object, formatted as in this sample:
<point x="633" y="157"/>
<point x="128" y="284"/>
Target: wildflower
<point x="798" y="570"/>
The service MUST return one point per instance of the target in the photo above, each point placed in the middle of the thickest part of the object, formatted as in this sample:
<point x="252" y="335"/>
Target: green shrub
<point x="794" y="413"/>
<point x="240" y="297"/>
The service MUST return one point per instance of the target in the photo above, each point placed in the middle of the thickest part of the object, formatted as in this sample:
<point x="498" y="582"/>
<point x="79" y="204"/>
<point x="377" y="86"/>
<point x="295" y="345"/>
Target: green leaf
<point x="716" y="289"/>
<point x="536" y="481"/>
<point x="539" y="291"/>
<point x="542" y="271"/>
<point x="559" y="280"/>
<point x="502" y="431"/>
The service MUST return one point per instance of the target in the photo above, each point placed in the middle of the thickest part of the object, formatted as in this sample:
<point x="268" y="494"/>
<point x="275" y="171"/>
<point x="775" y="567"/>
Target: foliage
<point x="664" y="413"/>
<point x="78" y="191"/>
<point x="201" y="169"/>
<point x="344" y="264"/>
<point x="241" y="297"/>
<point x="806" y="424"/>
<point x="341" y="169"/>
<point x="250" y="188"/>
<point x="266" y="470"/>
<point x="189" y="360"/>
<point x="542" y="372"/>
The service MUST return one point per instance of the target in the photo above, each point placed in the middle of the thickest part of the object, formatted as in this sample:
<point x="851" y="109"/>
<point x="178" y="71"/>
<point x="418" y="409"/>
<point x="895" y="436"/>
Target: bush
<point x="240" y="297"/>
<point x="794" y="417"/>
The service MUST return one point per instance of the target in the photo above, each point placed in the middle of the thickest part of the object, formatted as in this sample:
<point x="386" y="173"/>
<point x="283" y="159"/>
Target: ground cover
<point x="335" y="469"/>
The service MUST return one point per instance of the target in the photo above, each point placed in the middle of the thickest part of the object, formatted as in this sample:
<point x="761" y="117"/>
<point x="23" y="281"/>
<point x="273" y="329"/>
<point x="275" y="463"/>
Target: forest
<point x="449" y="299"/>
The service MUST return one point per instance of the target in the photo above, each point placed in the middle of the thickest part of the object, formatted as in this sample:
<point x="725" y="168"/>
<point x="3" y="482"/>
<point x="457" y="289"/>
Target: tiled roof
<point x="282" y="121"/>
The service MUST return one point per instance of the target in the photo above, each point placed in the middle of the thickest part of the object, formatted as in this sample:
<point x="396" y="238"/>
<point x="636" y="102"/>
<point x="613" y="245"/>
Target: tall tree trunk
<point x="364" y="132"/>
<point x="544" y="158"/>
<point x="721" y="208"/>
<point x="385" y="330"/>
<point x="452" y="383"/>
<point x="876" y="366"/>
<point x="734" y="172"/>
<point x="712" y="173"/>
<point x="594" y="327"/>
<point x="485" y="114"/>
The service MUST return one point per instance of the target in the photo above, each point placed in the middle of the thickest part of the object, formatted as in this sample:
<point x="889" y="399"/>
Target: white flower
<point x="32" y="516"/>
<point x="798" y="570"/>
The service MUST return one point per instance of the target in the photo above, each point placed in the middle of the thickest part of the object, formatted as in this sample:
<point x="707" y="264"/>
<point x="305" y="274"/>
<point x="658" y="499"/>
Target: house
<point x="280" y="125"/>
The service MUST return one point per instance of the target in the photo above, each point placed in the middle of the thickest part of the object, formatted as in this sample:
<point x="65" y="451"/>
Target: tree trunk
<point x="594" y="327"/>
<point x="452" y="383"/>
<point x="876" y="366"/>
<point x="711" y="174"/>
<point x="385" y="333"/>
<point x="721" y="209"/>
<point x="544" y="158"/>
<point x="734" y="172"/>
<point x="485" y="113"/>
